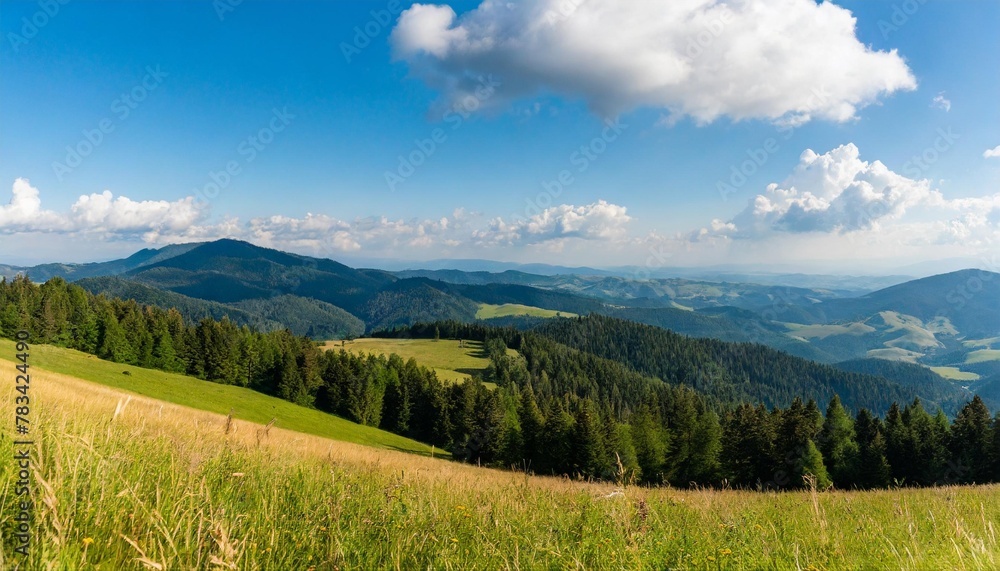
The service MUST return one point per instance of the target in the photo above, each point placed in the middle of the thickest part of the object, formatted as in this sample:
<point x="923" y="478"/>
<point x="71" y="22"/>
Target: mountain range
<point x="949" y="323"/>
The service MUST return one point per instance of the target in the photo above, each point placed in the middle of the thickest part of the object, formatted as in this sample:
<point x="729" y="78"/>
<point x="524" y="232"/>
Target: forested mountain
<point x="968" y="299"/>
<point x="410" y="301"/>
<point x="723" y="323"/>
<point x="950" y="321"/>
<point x="302" y="316"/>
<point x="192" y="309"/>
<point x="72" y="272"/>
<point x="739" y="372"/>
<point x="230" y="271"/>
<point x="556" y="409"/>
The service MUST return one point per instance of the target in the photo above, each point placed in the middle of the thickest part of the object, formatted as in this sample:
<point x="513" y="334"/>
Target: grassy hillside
<point x="203" y="395"/>
<point x="490" y="311"/>
<point x="158" y="486"/>
<point x="450" y="361"/>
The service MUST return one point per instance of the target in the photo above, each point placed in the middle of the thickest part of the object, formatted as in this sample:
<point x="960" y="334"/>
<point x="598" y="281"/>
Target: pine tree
<point x="748" y="446"/>
<point x="113" y="345"/>
<point x="838" y="444"/>
<point x="873" y="467"/>
<point x="813" y="467"/>
<point x="589" y="456"/>
<point x="557" y="440"/>
<point x="971" y="443"/>
<point x="651" y="443"/>
<point x="532" y="427"/>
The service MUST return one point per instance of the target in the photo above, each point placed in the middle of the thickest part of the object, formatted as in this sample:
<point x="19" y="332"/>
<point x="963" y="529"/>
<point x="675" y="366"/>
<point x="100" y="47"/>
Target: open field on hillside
<point x="150" y="485"/>
<point x="451" y="361"/>
<point x="895" y="354"/>
<point x="245" y="404"/>
<point x="824" y="331"/>
<point x="982" y="355"/>
<point x="983" y="343"/>
<point x="488" y="311"/>
<point x="955" y="374"/>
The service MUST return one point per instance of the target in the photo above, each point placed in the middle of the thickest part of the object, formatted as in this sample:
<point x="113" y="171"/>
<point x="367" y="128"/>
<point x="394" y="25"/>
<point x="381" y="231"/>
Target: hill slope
<point x="294" y="501"/>
<point x="243" y="403"/>
<point x="739" y="372"/>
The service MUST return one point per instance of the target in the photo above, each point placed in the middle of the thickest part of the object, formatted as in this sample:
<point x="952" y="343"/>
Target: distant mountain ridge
<point x="950" y="322"/>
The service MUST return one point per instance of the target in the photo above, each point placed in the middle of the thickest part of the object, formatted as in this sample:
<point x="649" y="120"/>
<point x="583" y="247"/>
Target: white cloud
<point x="105" y="213"/>
<point x="24" y="213"/>
<point x="941" y="102"/>
<point x="100" y="214"/>
<point x="992" y="153"/>
<point x="837" y="202"/>
<point x="781" y="60"/>
<point x="598" y="221"/>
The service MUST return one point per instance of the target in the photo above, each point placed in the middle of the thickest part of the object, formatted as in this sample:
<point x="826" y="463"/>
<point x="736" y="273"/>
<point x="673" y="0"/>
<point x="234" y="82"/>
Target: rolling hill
<point x="741" y="372"/>
<point x="242" y="403"/>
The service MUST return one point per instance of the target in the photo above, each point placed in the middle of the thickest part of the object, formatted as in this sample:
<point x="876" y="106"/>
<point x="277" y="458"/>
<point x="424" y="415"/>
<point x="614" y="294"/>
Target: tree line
<point x="555" y="410"/>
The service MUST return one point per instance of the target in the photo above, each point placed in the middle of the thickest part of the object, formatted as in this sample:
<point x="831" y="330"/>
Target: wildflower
<point x="459" y="508"/>
<point x="725" y="552"/>
<point x="87" y="541"/>
<point x="711" y="558"/>
<point x="453" y="540"/>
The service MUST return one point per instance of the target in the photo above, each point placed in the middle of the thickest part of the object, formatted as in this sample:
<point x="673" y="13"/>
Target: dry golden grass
<point x="127" y="482"/>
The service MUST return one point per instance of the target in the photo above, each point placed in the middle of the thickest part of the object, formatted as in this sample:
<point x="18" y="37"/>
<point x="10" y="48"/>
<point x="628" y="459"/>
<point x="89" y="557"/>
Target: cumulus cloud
<point x="837" y="193"/>
<point x="97" y="213"/>
<point x="992" y="153"/>
<point x="103" y="216"/>
<point x="781" y="60"/>
<point x="598" y="221"/>
<point x="105" y="213"/>
<point x="24" y="213"/>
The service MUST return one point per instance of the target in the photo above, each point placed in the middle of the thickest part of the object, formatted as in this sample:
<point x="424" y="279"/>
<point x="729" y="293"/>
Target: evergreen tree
<point x="873" y="468"/>
<point x="838" y="444"/>
<point x="113" y="344"/>
<point x="748" y="446"/>
<point x="532" y="425"/>
<point x="971" y="443"/>
<point x="651" y="443"/>
<point x="557" y="440"/>
<point x="589" y="456"/>
<point x="813" y="467"/>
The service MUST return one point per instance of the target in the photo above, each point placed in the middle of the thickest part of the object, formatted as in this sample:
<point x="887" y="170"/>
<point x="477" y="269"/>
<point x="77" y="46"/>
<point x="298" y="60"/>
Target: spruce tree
<point x="971" y="443"/>
<point x="873" y="467"/>
<point x="838" y="444"/>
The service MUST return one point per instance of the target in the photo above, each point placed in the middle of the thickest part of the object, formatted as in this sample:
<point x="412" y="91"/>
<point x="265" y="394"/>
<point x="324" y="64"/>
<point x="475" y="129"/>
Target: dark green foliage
<point x="557" y="409"/>
<point x="731" y="372"/>
<point x="838" y="445"/>
<point x="972" y="443"/>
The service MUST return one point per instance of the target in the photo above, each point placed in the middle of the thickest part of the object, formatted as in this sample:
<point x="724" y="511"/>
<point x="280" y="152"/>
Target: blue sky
<point x="312" y="117"/>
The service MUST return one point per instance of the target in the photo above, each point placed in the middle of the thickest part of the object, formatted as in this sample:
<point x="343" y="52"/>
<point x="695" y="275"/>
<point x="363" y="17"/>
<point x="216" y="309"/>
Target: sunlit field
<point x="134" y="483"/>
